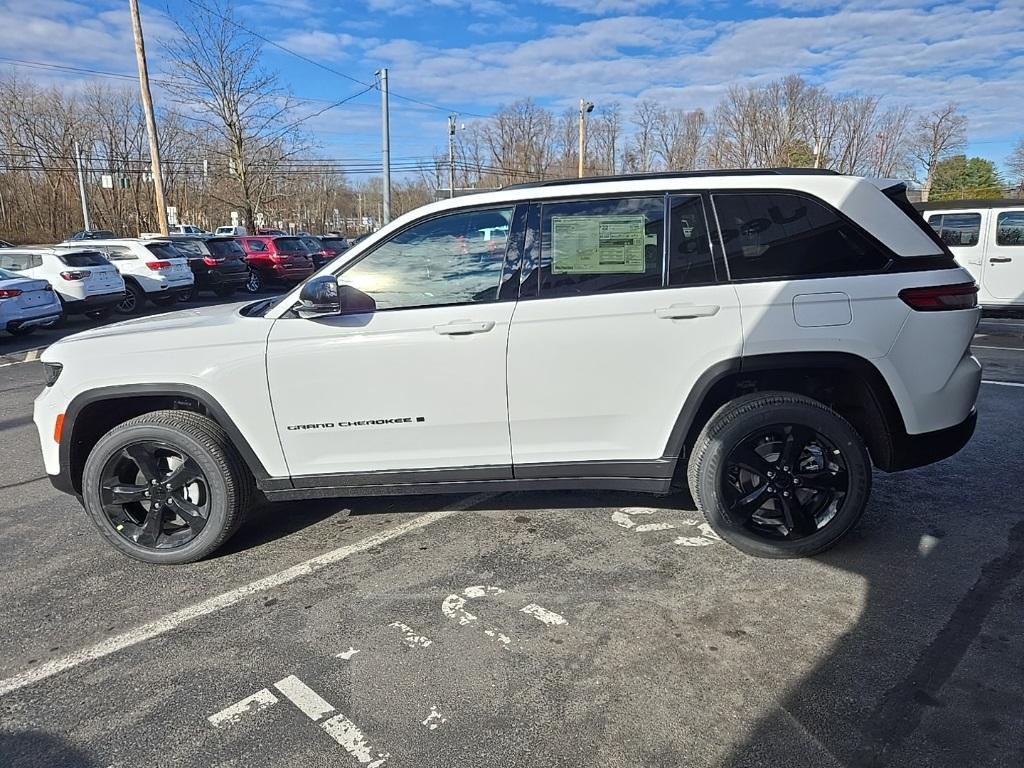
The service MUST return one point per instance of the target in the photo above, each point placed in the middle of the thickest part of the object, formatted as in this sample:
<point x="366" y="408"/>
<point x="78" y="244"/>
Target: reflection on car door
<point x="418" y="384"/>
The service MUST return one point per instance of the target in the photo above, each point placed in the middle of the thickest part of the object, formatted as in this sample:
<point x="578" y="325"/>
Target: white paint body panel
<point x="603" y="377"/>
<point x="392" y="364"/>
<point x="101" y="280"/>
<point x="153" y="281"/>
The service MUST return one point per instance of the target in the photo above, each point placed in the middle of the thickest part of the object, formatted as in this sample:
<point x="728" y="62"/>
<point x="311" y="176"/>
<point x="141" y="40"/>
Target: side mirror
<point x="319" y="297"/>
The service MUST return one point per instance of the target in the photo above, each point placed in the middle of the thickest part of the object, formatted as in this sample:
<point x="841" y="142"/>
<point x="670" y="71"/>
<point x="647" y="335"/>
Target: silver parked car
<point x="26" y="303"/>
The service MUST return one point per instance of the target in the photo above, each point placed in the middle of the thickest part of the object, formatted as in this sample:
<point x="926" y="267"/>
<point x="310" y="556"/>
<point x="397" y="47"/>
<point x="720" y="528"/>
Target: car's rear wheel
<point x="165" y="299"/>
<point x="780" y="475"/>
<point x="192" y="294"/>
<point x="23" y="330"/>
<point x="133" y="301"/>
<point x="166" y="487"/>
<point x="255" y="282"/>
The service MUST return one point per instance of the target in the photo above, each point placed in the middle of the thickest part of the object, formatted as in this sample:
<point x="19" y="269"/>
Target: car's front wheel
<point x="780" y="475"/>
<point x="166" y="487"/>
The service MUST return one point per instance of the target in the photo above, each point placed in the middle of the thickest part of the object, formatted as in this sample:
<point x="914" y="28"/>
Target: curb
<point x="16" y="358"/>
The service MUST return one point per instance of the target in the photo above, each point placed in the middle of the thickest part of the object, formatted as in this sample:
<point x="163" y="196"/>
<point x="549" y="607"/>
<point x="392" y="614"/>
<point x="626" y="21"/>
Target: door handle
<point x="685" y="311"/>
<point x="1000" y="259"/>
<point x="463" y="327"/>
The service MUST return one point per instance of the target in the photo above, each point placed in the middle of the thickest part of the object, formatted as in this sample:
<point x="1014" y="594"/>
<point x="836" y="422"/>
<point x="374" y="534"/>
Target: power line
<point x="320" y="64"/>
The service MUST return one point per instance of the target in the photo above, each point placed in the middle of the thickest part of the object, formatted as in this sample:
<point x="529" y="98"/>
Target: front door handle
<point x="1000" y="259"/>
<point x="463" y="327"/>
<point x="685" y="311"/>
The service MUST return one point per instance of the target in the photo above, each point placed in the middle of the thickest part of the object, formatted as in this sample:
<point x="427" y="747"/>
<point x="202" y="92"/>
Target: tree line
<point x="234" y="139"/>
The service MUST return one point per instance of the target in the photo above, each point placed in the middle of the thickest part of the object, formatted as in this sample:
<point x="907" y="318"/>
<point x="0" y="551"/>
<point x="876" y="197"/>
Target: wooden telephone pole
<point x="147" y="106"/>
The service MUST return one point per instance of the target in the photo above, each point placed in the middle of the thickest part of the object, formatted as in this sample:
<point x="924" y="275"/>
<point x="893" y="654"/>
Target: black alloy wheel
<point x="784" y="481"/>
<point x="255" y="282"/>
<point x="155" y="495"/>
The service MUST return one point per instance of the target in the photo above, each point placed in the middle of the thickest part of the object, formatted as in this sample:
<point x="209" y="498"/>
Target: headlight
<point x="52" y="372"/>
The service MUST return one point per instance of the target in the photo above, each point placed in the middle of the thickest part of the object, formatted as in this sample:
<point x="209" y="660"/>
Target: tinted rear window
<point x="164" y="251"/>
<point x="191" y="247"/>
<point x="290" y="245"/>
<point x="225" y="249"/>
<point x="84" y="259"/>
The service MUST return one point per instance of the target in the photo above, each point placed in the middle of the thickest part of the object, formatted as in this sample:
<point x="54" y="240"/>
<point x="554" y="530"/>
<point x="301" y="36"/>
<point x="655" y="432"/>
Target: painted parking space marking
<point x="346" y="655"/>
<point x="309" y="702"/>
<point x="314" y="706"/>
<point x="543" y="614"/>
<point x="1002" y="383"/>
<point x="624" y="519"/>
<point x="219" y="602"/>
<point x="707" y="536"/>
<point x="410" y="637"/>
<point x="454" y="607"/>
<point x="247" y="706"/>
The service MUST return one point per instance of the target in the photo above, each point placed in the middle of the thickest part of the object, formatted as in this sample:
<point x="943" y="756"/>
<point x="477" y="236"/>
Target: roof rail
<point x="678" y="175"/>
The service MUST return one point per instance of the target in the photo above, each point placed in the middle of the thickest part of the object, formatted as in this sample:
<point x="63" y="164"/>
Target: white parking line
<point x="250" y="704"/>
<point x="353" y="741"/>
<point x="309" y="702"/>
<point x="174" y="620"/>
<point x="1002" y="383"/>
<point x="1008" y="349"/>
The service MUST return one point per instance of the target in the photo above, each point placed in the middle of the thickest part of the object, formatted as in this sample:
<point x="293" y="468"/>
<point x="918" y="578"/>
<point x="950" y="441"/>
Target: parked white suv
<point x="987" y="238"/>
<point x="763" y="337"/>
<point x="86" y="282"/>
<point x="152" y="269"/>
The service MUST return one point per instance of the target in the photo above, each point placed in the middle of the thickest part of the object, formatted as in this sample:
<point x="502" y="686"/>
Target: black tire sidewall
<point x="211" y="535"/>
<point x="831" y="426"/>
<point x="140" y="299"/>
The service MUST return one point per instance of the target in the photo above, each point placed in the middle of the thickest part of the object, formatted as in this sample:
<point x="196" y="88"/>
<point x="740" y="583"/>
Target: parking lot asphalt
<point x="568" y="629"/>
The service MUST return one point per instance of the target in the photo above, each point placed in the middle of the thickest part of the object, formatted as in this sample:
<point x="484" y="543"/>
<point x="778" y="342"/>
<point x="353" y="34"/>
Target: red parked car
<point x="275" y="260"/>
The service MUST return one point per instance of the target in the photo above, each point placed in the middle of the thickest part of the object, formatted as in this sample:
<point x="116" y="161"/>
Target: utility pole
<point x="386" y="147"/>
<point x="586" y="107"/>
<point x="81" y="188"/>
<point x="817" y="152"/>
<point x="147" y="106"/>
<point x="451" y="155"/>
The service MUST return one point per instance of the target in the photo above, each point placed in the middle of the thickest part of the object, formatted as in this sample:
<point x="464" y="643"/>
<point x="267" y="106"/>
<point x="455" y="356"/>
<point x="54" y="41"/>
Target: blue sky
<point x="471" y="56"/>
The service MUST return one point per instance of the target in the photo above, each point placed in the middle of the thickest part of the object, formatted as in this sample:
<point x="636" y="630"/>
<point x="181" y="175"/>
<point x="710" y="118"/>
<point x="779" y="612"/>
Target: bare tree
<point x="639" y="156"/>
<point x="680" y="137"/>
<point x="936" y="136"/>
<point x="218" y="80"/>
<point x="1015" y="162"/>
<point x="605" y="133"/>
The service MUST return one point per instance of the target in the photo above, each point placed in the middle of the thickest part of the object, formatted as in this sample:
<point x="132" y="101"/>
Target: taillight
<point x="935" y="298"/>
<point x="276" y="257"/>
<point x="9" y="293"/>
<point x="76" y="274"/>
<point x="154" y="265"/>
<point x="210" y="261"/>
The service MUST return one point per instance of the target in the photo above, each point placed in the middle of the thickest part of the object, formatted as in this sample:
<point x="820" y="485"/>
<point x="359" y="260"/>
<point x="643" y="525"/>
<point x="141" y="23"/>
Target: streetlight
<point x="586" y="107"/>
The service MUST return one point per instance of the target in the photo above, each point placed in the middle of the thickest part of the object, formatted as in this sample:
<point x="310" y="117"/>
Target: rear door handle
<point x="1000" y="259"/>
<point x="685" y="311"/>
<point x="463" y="327"/>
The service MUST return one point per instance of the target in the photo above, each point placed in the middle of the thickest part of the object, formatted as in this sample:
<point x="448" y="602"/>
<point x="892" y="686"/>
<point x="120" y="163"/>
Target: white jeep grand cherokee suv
<point x="764" y="337"/>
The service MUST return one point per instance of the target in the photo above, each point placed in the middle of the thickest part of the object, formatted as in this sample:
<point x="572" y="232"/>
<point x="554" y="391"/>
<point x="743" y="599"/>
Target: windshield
<point x="83" y="259"/>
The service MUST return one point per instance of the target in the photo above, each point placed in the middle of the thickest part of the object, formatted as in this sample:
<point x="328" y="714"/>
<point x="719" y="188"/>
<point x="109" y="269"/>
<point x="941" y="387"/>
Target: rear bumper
<point x="218" y="279"/>
<point x="97" y="301"/>
<point x="45" y="317"/>
<point x="288" y="274"/>
<point x="910" y="451"/>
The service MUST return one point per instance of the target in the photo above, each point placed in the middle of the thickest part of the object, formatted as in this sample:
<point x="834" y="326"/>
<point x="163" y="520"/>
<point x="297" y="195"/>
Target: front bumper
<point x="910" y="451"/>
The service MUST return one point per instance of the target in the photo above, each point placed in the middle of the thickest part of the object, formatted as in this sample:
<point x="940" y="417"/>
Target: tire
<point x="133" y="301"/>
<point x="100" y="314"/>
<point x="756" y="513"/>
<point x="192" y="294"/>
<point x="165" y="299"/>
<point x="255" y="282"/>
<point x="224" y="489"/>
<point x="225" y="293"/>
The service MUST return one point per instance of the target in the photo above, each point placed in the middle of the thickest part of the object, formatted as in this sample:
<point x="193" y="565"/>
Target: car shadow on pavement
<point x="31" y="749"/>
<point x="932" y="672"/>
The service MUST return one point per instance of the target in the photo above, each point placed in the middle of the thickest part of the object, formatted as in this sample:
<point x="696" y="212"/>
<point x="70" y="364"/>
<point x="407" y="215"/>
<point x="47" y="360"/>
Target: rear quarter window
<point x="772" y="235"/>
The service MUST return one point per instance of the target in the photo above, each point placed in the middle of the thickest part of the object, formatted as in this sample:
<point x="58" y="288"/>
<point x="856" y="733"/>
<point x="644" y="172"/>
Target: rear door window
<point x="601" y="246"/>
<point x="83" y="259"/>
<point x="781" y="235"/>
<point x="1010" y="228"/>
<point x="957" y="230"/>
<point x="20" y="261"/>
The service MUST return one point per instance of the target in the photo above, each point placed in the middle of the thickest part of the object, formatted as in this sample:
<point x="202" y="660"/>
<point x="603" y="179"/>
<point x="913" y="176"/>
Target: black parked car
<point x="92" y="234"/>
<point x="218" y="264"/>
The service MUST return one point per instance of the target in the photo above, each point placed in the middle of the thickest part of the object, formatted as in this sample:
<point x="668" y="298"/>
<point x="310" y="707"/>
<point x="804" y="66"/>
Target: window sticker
<point x="582" y="245"/>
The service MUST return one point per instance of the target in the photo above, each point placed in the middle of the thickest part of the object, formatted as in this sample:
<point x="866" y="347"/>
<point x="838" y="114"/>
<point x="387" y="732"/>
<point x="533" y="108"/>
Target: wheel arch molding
<point x="92" y="413"/>
<point x="850" y="384"/>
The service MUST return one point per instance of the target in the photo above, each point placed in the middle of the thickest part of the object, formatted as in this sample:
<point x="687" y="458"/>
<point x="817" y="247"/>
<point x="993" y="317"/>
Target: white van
<point x="231" y="231"/>
<point x="987" y="238"/>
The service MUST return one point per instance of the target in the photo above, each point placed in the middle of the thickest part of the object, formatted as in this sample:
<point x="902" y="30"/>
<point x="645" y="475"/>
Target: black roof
<point x="948" y="205"/>
<point x="679" y="175"/>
